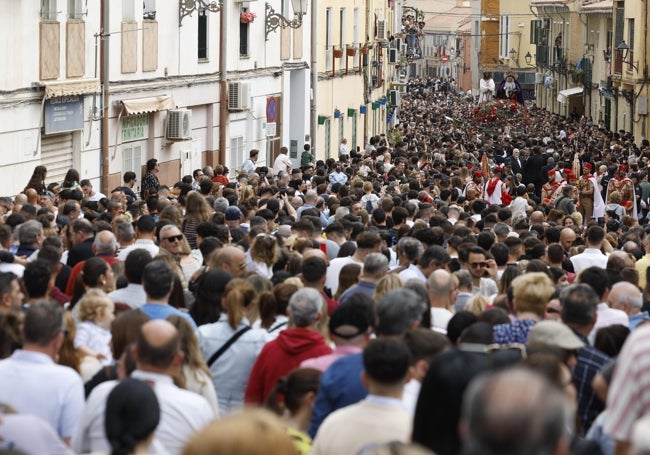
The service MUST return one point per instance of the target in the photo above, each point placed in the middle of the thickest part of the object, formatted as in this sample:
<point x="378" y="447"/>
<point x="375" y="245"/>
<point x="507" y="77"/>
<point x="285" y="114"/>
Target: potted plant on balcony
<point x="247" y="17"/>
<point x="364" y="48"/>
<point x="338" y="53"/>
<point x="350" y="50"/>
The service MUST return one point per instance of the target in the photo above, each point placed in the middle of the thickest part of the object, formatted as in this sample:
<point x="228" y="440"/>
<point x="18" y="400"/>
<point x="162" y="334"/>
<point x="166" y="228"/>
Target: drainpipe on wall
<point x="223" y="73"/>
<point x="313" y="119"/>
<point x="105" y="76"/>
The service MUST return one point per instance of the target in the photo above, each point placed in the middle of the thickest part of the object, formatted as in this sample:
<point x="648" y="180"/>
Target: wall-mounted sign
<point x="63" y="114"/>
<point x="135" y="127"/>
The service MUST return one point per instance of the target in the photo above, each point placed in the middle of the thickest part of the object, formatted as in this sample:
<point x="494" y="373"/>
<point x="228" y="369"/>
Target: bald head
<point x="537" y="217"/>
<point x="567" y="238"/>
<point x="231" y="259"/>
<point x="439" y="283"/>
<point x="314" y="253"/>
<point x="311" y="197"/>
<point x="158" y="346"/>
<point x="627" y="297"/>
<point x="32" y="196"/>
<point x="515" y="411"/>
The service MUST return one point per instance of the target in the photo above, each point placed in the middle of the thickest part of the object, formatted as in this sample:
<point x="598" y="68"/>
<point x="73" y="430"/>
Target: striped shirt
<point x="629" y="394"/>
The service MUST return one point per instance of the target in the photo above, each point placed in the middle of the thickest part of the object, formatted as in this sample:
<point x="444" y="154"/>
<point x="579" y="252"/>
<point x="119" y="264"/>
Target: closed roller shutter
<point x="56" y="156"/>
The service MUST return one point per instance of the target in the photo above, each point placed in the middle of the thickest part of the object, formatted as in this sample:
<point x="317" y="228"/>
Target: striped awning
<point x="69" y="88"/>
<point x="147" y="105"/>
<point x="563" y="96"/>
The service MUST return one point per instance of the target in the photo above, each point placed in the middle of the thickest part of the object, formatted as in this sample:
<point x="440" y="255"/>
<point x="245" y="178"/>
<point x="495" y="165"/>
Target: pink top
<point x="323" y="362"/>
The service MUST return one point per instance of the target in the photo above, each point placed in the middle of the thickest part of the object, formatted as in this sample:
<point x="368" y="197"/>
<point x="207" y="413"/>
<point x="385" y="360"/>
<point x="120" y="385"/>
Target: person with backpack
<point x="369" y="200"/>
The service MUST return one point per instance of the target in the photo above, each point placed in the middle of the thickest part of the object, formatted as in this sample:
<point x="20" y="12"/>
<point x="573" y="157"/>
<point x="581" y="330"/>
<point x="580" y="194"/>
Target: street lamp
<point x="512" y="53"/>
<point x="528" y="58"/>
<point x="274" y="20"/>
<point x="624" y="51"/>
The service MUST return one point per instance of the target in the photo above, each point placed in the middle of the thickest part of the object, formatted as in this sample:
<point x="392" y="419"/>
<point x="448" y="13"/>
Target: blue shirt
<point x="340" y="386"/>
<point x="365" y="287"/>
<point x="637" y="319"/>
<point x="158" y="311"/>
<point x="513" y="332"/>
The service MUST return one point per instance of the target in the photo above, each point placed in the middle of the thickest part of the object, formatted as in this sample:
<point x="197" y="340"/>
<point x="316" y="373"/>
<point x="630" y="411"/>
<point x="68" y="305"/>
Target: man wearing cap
<point x="494" y="187"/>
<point x="550" y="189"/>
<point x="623" y="185"/>
<point x="591" y="204"/>
<point x="233" y="217"/>
<point x="579" y="313"/>
<point x="349" y="330"/>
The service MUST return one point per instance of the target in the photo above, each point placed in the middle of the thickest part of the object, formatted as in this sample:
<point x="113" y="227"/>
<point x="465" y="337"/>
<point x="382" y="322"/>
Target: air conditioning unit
<point x="402" y="88"/>
<point x="179" y="126"/>
<point x="393" y="98"/>
<point x="539" y="78"/>
<point x="392" y="56"/>
<point x="381" y="31"/>
<point x="238" y="96"/>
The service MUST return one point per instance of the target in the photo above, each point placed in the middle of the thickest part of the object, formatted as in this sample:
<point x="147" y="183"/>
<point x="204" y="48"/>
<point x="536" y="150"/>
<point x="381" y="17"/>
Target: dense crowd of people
<point x="459" y="286"/>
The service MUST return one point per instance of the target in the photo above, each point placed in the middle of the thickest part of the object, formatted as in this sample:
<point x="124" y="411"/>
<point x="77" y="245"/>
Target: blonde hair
<point x="387" y="283"/>
<point x="477" y="304"/>
<point x="614" y="197"/>
<point x="237" y="297"/>
<point x="253" y="432"/>
<point x="190" y="347"/>
<point x="532" y="291"/>
<point x="93" y="304"/>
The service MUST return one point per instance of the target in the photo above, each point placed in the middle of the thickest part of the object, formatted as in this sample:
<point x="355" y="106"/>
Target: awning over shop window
<point x="563" y="96"/>
<point x="147" y="105"/>
<point x="70" y="88"/>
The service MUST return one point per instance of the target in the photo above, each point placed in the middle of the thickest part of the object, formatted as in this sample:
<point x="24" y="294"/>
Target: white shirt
<point x="607" y="316"/>
<point x="343" y="149"/>
<point x="32" y="383"/>
<point x="282" y="163"/>
<point x="375" y="420"/>
<point x="16" y="269"/>
<point x="95" y="338"/>
<point x="440" y="318"/>
<point x="588" y="258"/>
<point x="31" y="435"/>
<point x="334" y="269"/>
<point x="133" y="295"/>
<point x="412" y="272"/>
<point x="140" y="244"/>
<point x="411" y="394"/>
<point x="518" y="207"/>
<point x="182" y="413"/>
<point x="96" y="197"/>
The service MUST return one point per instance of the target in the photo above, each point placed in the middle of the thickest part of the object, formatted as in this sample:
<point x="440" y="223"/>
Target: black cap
<point x="348" y="321"/>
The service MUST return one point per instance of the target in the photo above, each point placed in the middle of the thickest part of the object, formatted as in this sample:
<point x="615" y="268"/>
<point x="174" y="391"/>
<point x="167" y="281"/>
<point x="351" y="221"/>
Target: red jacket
<point x="279" y="357"/>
